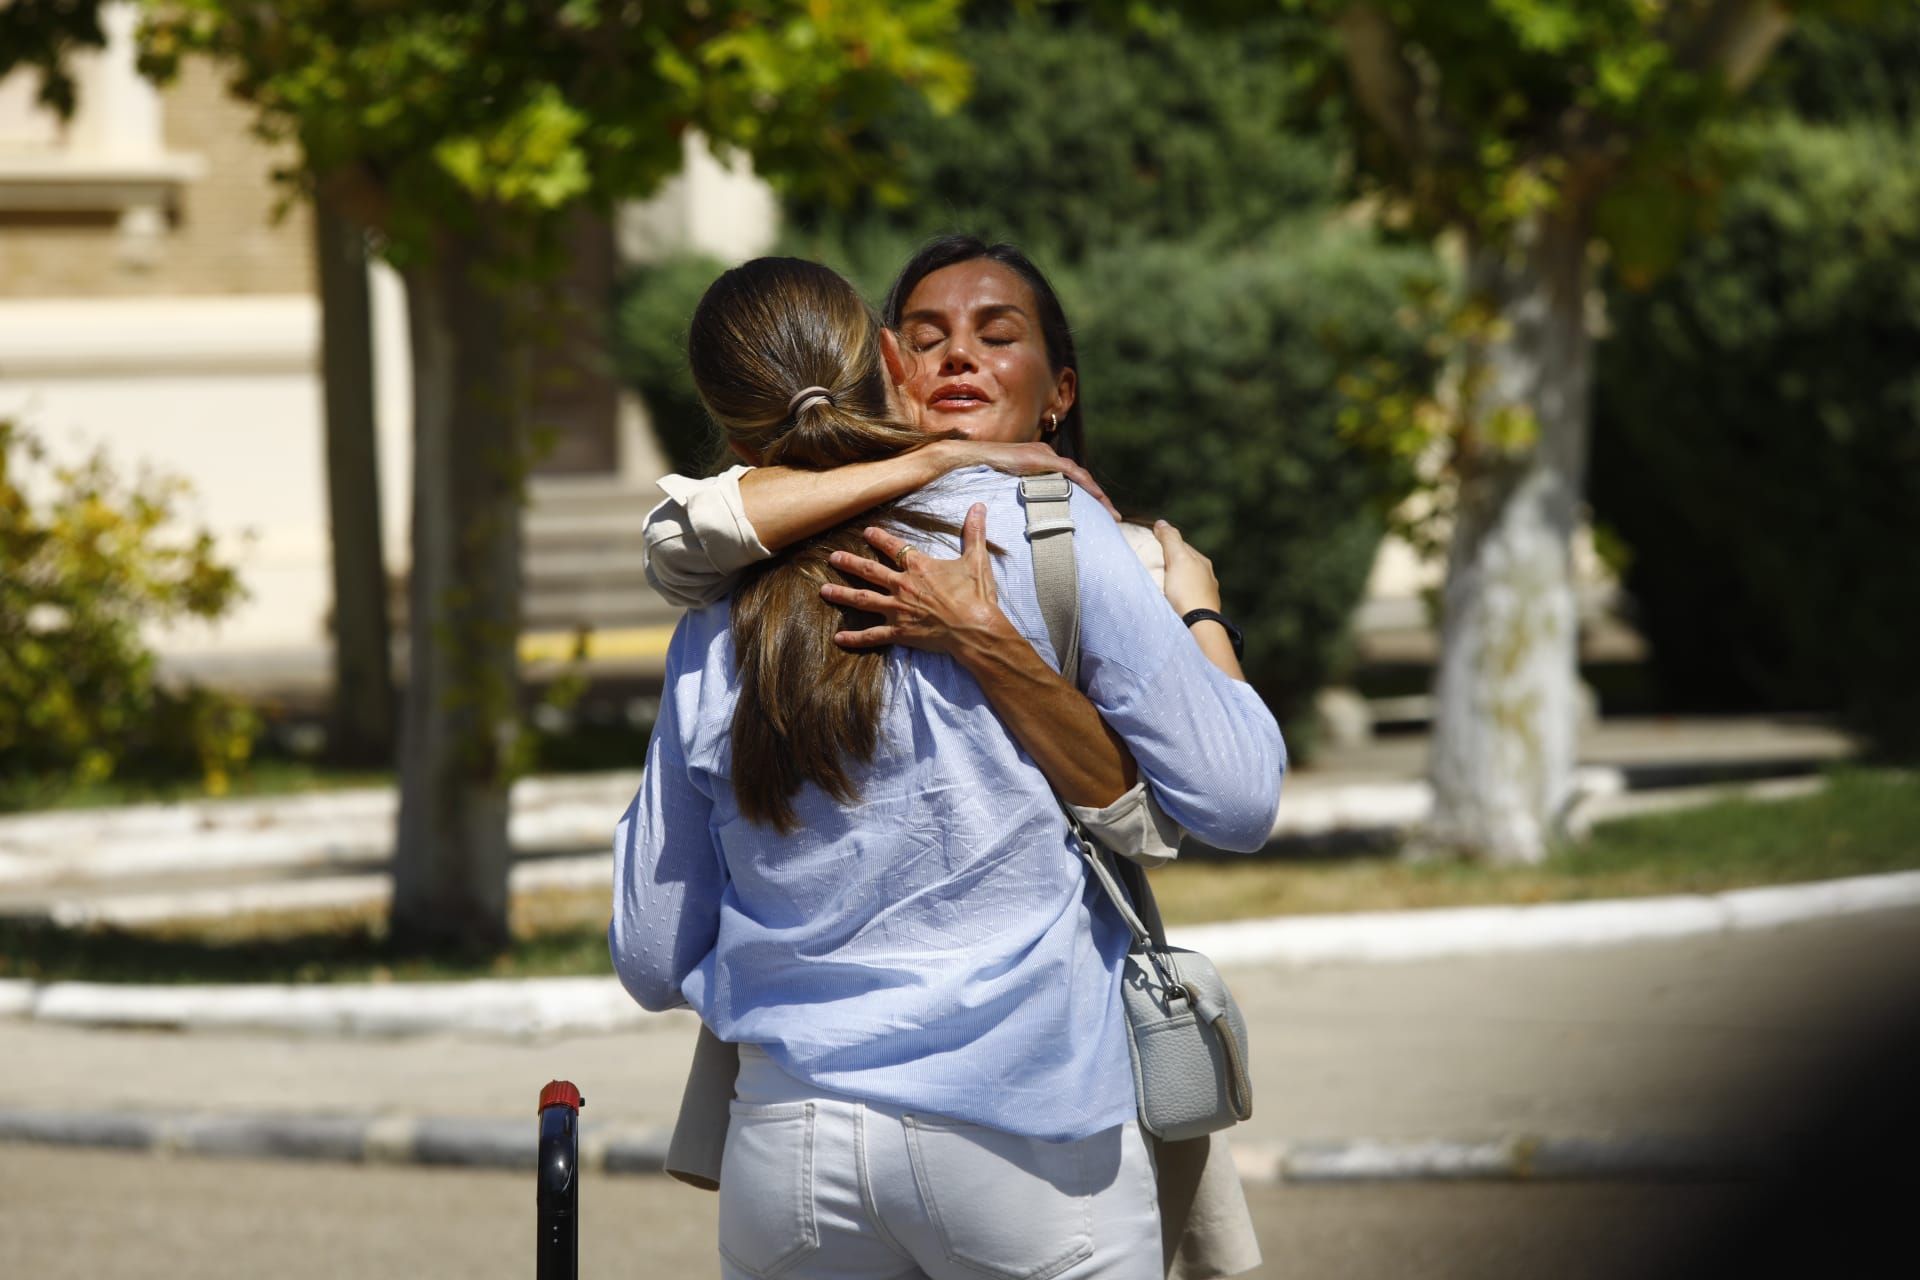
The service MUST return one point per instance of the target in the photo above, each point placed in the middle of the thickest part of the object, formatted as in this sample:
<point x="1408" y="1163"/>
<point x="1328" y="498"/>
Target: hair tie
<point x="805" y="398"/>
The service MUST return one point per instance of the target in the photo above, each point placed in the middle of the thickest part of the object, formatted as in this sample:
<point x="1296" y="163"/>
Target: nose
<point x="957" y="358"/>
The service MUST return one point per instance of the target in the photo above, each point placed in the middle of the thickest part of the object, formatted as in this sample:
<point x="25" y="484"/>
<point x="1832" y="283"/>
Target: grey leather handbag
<point x="1186" y="1038"/>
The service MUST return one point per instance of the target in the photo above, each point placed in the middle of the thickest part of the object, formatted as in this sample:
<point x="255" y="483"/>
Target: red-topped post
<point x="558" y="1193"/>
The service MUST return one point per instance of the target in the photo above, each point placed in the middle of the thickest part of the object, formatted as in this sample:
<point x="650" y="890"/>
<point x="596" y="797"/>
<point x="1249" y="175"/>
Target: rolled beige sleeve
<point x="1134" y="827"/>
<point x="699" y="539"/>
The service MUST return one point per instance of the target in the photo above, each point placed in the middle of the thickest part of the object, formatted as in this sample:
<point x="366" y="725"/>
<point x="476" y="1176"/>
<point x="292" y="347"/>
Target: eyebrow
<point x="988" y="312"/>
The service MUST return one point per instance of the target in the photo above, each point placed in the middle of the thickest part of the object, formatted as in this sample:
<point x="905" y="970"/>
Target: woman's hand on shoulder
<point x="930" y="603"/>
<point x="1190" y="583"/>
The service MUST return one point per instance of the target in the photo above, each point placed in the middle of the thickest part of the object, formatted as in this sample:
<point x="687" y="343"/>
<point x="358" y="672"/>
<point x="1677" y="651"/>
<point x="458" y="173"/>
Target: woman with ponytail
<point x="845" y="862"/>
<point x="964" y="311"/>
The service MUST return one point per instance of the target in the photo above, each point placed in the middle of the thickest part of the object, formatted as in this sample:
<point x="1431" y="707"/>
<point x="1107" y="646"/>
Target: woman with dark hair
<point x="974" y="272"/>
<point x="843" y="860"/>
<point x="964" y="320"/>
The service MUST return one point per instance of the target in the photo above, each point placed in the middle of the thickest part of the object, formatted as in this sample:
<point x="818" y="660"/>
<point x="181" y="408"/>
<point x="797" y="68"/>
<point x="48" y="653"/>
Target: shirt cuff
<point x="1133" y="827"/>
<point x="717" y="516"/>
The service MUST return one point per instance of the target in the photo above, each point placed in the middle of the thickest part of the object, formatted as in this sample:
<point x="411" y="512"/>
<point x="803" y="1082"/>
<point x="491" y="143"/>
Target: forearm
<point x="785" y="504"/>
<point x="1086" y="762"/>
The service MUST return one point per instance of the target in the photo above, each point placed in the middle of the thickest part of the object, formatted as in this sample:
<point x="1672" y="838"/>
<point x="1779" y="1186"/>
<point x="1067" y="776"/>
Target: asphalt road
<point x="105" y="1216"/>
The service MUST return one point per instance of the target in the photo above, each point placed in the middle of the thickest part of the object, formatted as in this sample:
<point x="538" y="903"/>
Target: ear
<point x="1066" y="389"/>
<point x="900" y="368"/>
<point x="749" y="456"/>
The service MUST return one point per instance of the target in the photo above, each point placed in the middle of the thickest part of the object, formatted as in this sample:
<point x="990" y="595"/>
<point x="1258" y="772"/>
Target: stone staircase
<point x="585" y="559"/>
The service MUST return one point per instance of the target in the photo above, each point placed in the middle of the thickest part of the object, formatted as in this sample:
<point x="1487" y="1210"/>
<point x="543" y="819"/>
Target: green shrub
<point x="89" y="562"/>
<point x="1847" y="68"/>
<point x="1080" y="138"/>
<point x="1757" y="440"/>
<point x="1209" y="383"/>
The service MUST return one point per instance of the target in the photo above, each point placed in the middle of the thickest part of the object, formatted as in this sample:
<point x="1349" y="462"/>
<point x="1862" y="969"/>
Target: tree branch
<point x="1735" y="38"/>
<point x="1383" y="81"/>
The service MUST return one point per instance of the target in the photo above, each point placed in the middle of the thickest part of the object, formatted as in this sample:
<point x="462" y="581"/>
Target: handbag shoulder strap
<point x="1056" y="580"/>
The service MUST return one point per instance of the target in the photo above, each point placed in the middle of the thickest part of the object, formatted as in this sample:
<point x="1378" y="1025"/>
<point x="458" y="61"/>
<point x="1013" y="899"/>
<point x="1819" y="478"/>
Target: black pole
<point x="558" y="1196"/>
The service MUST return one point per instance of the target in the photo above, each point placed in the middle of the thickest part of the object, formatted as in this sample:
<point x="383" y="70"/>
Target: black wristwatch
<point x="1209" y="615"/>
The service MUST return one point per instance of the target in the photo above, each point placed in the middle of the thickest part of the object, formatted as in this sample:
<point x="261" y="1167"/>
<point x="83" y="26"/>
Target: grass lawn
<point x="1865" y="821"/>
<point x="269" y="777"/>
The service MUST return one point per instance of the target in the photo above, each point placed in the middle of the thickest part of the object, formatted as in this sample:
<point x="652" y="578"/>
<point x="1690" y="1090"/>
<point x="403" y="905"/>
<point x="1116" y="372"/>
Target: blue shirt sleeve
<point x="1207" y="745"/>
<point x="668" y="874"/>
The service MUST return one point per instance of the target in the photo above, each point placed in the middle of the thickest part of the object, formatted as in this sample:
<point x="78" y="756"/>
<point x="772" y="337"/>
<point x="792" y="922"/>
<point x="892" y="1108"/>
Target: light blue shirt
<point x="936" y="945"/>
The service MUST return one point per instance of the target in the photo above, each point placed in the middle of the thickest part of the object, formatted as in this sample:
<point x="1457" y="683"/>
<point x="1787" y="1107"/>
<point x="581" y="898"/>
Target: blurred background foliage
<point x="93" y="561"/>
<point x="1182" y="190"/>
<point x="1757" y="432"/>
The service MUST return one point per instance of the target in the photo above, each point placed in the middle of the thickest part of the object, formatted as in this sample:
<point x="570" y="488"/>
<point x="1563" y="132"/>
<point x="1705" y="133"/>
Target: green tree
<point x="1084" y="137"/>
<point x="42" y="35"/>
<point x="363" y="720"/>
<point x="466" y="135"/>
<point x="1541" y="134"/>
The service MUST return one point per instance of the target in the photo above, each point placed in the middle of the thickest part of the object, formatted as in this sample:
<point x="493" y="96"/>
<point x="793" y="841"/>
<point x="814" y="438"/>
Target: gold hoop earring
<point x="1053" y="423"/>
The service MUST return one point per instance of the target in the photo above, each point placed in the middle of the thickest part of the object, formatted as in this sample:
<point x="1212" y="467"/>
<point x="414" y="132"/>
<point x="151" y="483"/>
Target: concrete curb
<point x="349" y="829"/>
<point x="1386" y="936"/>
<point x="346" y="892"/>
<point x="533" y="1007"/>
<point x="515" y="1008"/>
<point x="499" y="1143"/>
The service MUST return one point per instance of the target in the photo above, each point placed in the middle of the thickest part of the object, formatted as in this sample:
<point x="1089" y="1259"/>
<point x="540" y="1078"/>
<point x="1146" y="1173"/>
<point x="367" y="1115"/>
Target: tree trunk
<point x="458" y="742"/>
<point x="1503" y="743"/>
<point x="361" y="728"/>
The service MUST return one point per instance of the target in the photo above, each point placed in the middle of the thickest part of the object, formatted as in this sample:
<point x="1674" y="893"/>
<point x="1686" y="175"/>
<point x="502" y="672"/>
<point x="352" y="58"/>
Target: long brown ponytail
<point x="786" y="357"/>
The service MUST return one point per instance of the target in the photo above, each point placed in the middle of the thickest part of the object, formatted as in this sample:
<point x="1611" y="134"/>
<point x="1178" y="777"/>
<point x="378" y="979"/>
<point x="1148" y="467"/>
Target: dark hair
<point x="786" y="358"/>
<point x="1070" y="439"/>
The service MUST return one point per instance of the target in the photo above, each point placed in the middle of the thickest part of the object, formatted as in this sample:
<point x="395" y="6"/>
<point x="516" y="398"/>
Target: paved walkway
<point x="149" y="863"/>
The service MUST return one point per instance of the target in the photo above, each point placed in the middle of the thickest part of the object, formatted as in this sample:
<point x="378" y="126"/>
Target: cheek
<point x="1027" y="381"/>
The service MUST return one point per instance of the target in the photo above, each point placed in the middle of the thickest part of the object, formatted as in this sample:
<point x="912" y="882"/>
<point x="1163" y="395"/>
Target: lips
<point x="959" y="396"/>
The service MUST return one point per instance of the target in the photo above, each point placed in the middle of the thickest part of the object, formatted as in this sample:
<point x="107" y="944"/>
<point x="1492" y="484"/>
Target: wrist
<point x="1212" y="619"/>
<point x="938" y="458"/>
<point x="986" y="639"/>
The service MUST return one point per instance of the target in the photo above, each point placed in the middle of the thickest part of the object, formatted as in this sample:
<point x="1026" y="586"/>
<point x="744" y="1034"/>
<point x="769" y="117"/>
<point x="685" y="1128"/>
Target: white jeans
<point x="819" y="1185"/>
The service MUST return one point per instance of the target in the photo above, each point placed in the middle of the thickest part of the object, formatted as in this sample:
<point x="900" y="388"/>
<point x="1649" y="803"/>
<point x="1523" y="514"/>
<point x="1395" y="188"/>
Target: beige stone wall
<point x="223" y="238"/>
